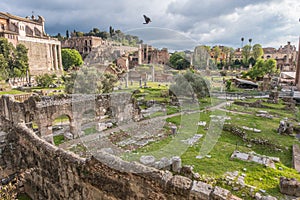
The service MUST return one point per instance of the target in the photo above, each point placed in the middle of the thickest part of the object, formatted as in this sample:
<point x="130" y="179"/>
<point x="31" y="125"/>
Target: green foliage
<point x="257" y="51"/>
<point x="13" y="61"/>
<point x="262" y="68"/>
<point x="4" y="74"/>
<point x="228" y="85"/>
<point x="178" y="61"/>
<point x="89" y="80"/>
<point x="58" y="139"/>
<point x="217" y="51"/>
<point x="71" y="58"/>
<point x="45" y="80"/>
<point x="190" y="83"/>
<point x="90" y="130"/>
<point x="246" y="53"/>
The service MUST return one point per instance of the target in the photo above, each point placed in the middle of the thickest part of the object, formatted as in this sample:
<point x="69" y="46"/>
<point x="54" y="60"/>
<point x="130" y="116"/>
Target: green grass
<point x="215" y="167"/>
<point x="23" y="197"/>
<point x="172" y="110"/>
<point x="61" y="119"/>
<point x="12" y="92"/>
<point x="58" y="139"/>
<point x="90" y="130"/>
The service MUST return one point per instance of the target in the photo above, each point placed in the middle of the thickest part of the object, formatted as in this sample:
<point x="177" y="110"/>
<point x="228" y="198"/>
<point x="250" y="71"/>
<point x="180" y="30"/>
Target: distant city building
<point x="44" y="52"/>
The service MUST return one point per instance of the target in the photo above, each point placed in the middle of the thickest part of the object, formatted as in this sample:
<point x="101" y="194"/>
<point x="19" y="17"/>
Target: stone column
<point x="298" y="68"/>
<point x="51" y="57"/>
<point x="60" y="66"/>
<point x="75" y="128"/>
<point x="153" y="74"/>
<point x="55" y="57"/>
<point x="140" y="54"/>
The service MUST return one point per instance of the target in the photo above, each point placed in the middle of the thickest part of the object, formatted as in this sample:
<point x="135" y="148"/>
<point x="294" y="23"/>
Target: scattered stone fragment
<point x="147" y="160"/>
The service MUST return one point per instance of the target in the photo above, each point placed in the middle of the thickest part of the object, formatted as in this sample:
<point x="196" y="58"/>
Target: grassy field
<point x="219" y="163"/>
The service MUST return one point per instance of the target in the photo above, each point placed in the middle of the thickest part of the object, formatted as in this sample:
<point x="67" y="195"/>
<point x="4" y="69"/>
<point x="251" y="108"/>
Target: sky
<point x="176" y="24"/>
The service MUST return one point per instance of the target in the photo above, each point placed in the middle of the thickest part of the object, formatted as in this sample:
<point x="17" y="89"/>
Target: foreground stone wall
<point x="53" y="173"/>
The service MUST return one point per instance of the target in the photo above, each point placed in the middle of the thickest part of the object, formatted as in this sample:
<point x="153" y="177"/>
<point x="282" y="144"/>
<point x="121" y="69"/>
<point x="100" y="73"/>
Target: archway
<point x="89" y="122"/>
<point x="61" y="129"/>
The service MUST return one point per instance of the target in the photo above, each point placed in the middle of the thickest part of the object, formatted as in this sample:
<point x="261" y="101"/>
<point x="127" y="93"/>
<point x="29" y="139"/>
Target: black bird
<point x="147" y="19"/>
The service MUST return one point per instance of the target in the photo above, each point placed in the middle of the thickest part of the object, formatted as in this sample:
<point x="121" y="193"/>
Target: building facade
<point x="83" y="44"/>
<point x="286" y="56"/>
<point x="44" y="53"/>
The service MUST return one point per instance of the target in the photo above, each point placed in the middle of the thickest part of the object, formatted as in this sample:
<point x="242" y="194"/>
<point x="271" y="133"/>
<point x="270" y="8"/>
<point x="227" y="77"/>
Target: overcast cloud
<point x="176" y="24"/>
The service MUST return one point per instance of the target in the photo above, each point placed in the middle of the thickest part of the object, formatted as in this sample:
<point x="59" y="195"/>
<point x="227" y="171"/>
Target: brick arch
<point x="68" y="113"/>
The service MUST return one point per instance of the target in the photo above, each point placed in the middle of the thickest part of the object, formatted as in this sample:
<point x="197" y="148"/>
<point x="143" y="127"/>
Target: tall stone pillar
<point x="153" y="74"/>
<point x="298" y="68"/>
<point x="51" y="58"/>
<point x="288" y="53"/>
<point x="55" y="57"/>
<point x="60" y="66"/>
<point x="140" y="54"/>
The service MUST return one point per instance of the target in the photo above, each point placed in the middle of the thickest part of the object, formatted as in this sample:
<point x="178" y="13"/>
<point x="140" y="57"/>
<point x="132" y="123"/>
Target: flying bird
<point x="147" y="19"/>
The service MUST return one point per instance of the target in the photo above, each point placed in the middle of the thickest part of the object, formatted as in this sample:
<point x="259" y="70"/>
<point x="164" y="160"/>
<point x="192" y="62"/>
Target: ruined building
<point x="149" y="55"/>
<point x="83" y="44"/>
<point x="44" y="52"/>
<point x="285" y="56"/>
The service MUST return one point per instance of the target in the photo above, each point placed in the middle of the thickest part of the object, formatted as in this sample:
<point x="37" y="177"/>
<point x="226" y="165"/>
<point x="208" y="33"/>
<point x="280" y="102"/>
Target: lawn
<point x="219" y="163"/>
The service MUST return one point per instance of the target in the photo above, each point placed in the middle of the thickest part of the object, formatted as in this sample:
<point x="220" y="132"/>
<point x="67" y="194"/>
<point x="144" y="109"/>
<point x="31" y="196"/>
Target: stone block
<point x="200" y="191"/>
<point x="220" y="194"/>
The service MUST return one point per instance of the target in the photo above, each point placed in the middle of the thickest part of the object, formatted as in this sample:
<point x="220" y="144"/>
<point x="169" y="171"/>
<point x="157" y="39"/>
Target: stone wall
<point x="296" y="157"/>
<point x="289" y="186"/>
<point x="53" y="173"/>
<point x="44" y="55"/>
<point x="44" y="110"/>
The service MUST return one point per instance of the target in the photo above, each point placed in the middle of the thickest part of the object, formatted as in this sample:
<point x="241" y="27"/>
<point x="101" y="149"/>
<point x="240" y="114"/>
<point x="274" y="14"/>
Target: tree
<point x="178" y="61"/>
<point x="4" y="73"/>
<point x="217" y="52"/>
<point x="111" y="31"/>
<point x="21" y="60"/>
<point x="67" y="34"/>
<point x="246" y="53"/>
<point x="45" y="80"/>
<point x="71" y="58"/>
<point x="89" y="80"/>
<point x="250" y="40"/>
<point x="189" y="84"/>
<point x="257" y="52"/>
<point x="262" y="68"/>
<point x="14" y="61"/>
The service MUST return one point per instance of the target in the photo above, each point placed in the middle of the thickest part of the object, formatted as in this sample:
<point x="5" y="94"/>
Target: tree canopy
<point x="246" y="53"/>
<point x="262" y="68"/>
<point x="89" y="80"/>
<point x="257" y="52"/>
<point x="190" y="83"/>
<point x="178" y="61"/>
<point x="71" y="58"/>
<point x="13" y="60"/>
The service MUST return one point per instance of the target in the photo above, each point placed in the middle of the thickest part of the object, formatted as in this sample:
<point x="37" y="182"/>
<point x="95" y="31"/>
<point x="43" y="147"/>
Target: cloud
<point x="268" y="22"/>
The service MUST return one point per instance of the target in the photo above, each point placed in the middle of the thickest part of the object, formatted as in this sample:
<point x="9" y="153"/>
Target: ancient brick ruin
<point x="53" y="173"/>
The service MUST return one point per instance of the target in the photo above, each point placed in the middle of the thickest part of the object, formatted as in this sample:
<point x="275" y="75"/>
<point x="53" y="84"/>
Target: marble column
<point x="60" y="66"/>
<point x="55" y="57"/>
<point x="51" y="57"/>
